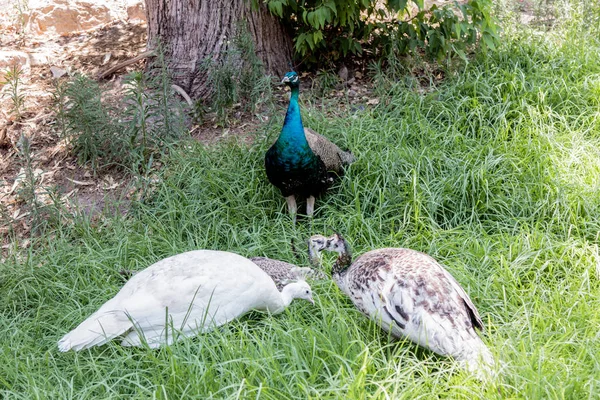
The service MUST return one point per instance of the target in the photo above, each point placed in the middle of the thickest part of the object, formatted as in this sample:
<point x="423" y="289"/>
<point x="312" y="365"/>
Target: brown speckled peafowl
<point x="409" y="294"/>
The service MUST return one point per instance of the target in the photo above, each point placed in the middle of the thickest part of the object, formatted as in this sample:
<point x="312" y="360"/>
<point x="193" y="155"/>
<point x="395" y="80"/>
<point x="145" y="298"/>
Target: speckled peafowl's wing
<point x="412" y="295"/>
<point x="283" y="272"/>
<point x="279" y="271"/>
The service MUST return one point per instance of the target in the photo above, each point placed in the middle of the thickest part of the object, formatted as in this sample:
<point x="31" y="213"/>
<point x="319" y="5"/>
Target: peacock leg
<point x="310" y="206"/>
<point x="292" y="207"/>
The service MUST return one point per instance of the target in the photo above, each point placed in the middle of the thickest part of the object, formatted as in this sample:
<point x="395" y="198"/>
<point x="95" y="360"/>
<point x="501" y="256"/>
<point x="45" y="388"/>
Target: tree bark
<point x="193" y="31"/>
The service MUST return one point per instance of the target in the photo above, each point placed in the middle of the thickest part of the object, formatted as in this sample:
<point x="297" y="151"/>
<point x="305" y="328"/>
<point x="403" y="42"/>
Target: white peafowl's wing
<point x="189" y="292"/>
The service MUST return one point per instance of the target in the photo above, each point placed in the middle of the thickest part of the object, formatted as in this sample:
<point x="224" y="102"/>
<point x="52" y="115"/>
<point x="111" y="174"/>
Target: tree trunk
<point x="193" y="31"/>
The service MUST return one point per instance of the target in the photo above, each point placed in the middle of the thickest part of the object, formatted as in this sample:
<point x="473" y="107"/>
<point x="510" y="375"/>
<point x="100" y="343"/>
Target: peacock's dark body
<point x="291" y="164"/>
<point x="301" y="162"/>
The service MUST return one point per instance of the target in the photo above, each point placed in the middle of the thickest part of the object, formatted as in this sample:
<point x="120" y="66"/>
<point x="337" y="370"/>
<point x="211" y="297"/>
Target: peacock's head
<point x="291" y="79"/>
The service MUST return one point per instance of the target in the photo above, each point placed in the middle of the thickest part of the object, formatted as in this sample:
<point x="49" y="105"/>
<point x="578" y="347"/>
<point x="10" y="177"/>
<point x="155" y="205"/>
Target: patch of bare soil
<point x="48" y="166"/>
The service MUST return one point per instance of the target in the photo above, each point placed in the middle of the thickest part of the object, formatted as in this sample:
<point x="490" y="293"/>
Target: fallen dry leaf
<point x="110" y="183"/>
<point x="57" y="72"/>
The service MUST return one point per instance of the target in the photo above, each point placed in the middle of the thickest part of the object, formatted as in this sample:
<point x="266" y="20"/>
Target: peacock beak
<point x="285" y="80"/>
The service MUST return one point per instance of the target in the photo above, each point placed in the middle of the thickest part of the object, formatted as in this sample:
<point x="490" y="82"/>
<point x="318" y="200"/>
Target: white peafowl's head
<point x="300" y="290"/>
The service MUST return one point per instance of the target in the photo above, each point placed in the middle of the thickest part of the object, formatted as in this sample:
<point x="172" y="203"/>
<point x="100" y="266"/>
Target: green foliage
<point x="28" y="184"/>
<point x="238" y="77"/>
<point x="104" y="135"/>
<point x="445" y="31"/>
<point x="39" y="207"/>
<point x="332" y="29"/>
<point x="13" y="81"/>
<point x="21" y="7"/>
<point x="59" y="102"/>
<point x="92" y="125"/>
<point x="153" y="117"/>
<point x="324" y="82"/>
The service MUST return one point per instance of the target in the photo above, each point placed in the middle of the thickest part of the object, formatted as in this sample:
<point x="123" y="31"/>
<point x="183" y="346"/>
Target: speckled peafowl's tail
<point x="479" y="360"/>
<point x="347" y="157"/>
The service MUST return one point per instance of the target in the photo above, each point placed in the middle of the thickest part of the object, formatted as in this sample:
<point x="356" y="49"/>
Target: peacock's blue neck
<point x="292" y="133"/>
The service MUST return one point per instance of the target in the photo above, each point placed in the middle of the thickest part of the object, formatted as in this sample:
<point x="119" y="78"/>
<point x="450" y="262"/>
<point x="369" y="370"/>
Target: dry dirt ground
<point x="52" y="165"/>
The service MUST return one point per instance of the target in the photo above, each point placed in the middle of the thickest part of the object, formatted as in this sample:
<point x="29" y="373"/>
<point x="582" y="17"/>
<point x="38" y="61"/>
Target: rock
<point x="106" y="58"/>
<point x="38" y="58"/>
<point x="65" y="16"/>
<point x="8" y="58"/>
<point x="25" y="60"/>
<point x="135" y="10"/>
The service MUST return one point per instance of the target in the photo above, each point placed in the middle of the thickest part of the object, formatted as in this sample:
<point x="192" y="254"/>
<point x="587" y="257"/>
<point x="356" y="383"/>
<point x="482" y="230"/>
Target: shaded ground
<point x="57" y="175"/>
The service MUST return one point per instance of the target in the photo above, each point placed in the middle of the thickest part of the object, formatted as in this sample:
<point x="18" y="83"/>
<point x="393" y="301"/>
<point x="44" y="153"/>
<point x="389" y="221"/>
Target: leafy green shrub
<point x="39" y="204"/>
<point x="330" y="29"/>
<point x="91" y="124"/>
<point x="324" y="82"/>
<point x="238" y="77"/>
<point x="153" y="116"/>
<point x="13" y="82"/>
<point x="103" y="134"/>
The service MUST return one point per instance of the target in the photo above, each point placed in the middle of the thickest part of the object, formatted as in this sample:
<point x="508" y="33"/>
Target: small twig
<point x="124" y="64"/>
<point x="80" y="182"/>
<point x="183" y="94"/>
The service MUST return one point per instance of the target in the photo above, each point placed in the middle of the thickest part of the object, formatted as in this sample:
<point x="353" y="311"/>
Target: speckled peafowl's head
<point x="319" y="243"/>
<point x="291" y="79"/>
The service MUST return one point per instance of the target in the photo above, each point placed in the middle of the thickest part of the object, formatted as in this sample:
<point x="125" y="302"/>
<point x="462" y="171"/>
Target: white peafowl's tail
<point x="98" y="329"/>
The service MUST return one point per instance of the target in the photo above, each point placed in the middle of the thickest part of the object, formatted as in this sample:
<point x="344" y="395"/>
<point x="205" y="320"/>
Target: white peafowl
<point x="411" y="295"/>
<point x="198" y="290"/>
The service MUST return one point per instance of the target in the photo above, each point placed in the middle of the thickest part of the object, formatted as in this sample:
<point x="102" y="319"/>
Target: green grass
<point x="496" y="174"/>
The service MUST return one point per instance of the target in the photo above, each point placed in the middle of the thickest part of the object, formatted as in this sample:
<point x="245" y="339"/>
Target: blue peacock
<point x="302" y="163"/>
